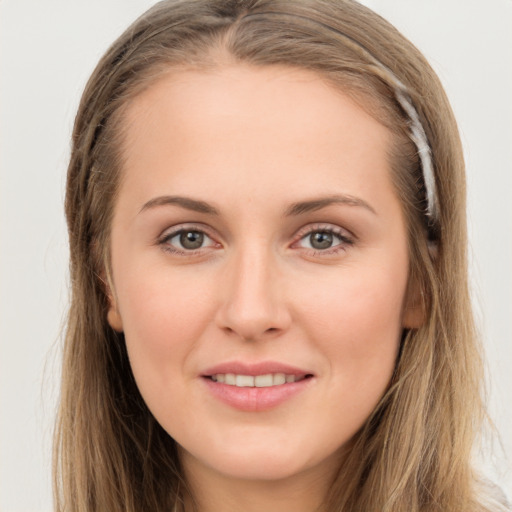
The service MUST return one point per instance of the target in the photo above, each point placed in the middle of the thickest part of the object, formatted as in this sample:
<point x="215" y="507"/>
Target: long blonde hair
<point x="414" y="452"/>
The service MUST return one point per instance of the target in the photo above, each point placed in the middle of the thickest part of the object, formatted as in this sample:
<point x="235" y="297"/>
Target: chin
<point x="272" y="462"/>
<point x="261" y="469"/>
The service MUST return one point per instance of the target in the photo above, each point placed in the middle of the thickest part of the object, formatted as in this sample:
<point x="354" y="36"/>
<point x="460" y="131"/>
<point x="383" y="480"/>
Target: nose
<point x="253" y="303"/>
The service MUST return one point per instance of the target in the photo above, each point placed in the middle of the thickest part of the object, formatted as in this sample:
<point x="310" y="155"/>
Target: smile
<point x="257" y="381"/>
<point x="256" y="387"/>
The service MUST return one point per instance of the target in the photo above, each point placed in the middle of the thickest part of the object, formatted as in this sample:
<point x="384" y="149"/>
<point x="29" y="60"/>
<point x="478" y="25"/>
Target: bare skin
<point x="257" y="228"/>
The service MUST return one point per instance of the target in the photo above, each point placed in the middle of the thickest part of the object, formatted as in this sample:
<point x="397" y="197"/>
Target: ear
<point x="413" y="314"/>
<point x="113" y="317"/>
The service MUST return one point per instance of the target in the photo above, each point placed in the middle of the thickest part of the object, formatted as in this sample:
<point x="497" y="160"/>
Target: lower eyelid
<point x="164" y="239"/>
<point x="343" y="240"/>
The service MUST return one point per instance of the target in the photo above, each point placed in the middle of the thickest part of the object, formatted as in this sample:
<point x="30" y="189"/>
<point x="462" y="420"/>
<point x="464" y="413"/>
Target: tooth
<point x="245" y="381"/>
<point x="279" y="378"/>
<point x="260" y="381"/>
<point x="263" y="381"/>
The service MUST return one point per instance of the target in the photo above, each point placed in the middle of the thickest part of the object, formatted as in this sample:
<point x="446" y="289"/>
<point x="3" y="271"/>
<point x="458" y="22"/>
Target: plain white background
<point x="47" y="51"/>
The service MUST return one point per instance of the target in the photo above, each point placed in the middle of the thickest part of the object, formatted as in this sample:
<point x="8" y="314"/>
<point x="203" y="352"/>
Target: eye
<point x="325" y="240"/>
<point x="190" y="239"/>
<point x="186" y="241"/>
<point x="321" y="240"/>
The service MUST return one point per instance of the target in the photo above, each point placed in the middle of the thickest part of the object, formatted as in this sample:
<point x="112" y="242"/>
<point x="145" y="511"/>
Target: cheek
<point x="359" y="333"/>
<point x="163" y="318"/>
<point x="355" y="304"/>
<point x="355" y="317"/>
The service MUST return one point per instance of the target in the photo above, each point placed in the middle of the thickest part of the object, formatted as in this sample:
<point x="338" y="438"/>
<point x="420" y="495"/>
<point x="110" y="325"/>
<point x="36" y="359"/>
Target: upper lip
<point x="259" y="368"/>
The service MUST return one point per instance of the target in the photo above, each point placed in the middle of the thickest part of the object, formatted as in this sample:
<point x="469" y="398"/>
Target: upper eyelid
<point x="163" y="241"/>
<point x="324" y="226"/>
<point x="185" y="226"/>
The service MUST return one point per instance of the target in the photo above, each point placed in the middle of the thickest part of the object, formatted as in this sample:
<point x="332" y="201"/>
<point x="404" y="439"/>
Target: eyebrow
<point x="294" y="209"/>
<point x="185" y="202"/>
<point x="322" y="202"/>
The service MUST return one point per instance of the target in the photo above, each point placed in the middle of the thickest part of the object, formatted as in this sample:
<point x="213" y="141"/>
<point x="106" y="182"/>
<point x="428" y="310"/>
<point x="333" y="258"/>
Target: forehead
<point x="276" y="128"/>
<point x="238" y="86"/>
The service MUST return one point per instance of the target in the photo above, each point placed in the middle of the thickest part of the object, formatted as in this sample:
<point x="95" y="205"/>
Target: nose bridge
<point x="253" y="304"/>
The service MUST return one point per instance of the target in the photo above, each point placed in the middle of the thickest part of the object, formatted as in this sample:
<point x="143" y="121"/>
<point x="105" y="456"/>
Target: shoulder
<point x="492" y="498"/>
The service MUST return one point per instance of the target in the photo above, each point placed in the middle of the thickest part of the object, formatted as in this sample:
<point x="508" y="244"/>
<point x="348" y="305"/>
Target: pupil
<point x="191" y="239"/>
<point x="321" y="240"/>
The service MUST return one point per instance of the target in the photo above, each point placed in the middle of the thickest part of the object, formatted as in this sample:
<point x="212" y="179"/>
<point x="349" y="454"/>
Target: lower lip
<point x="253" y="399"/>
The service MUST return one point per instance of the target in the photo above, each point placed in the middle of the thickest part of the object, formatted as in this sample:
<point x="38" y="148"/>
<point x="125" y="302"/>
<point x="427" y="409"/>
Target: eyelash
<point x="164" y="241"/>
<point x="345" y="240"/>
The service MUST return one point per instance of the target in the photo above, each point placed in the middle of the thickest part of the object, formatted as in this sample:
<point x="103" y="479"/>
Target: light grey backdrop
<point x="48" y="49"/>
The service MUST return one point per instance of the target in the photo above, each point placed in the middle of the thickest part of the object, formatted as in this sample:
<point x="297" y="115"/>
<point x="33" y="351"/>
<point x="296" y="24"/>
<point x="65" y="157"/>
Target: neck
<point x="214" y="492"/>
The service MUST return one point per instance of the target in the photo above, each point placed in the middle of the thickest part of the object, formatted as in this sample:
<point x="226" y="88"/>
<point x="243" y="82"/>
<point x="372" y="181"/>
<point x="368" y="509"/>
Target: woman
<point x="270" y="309"/>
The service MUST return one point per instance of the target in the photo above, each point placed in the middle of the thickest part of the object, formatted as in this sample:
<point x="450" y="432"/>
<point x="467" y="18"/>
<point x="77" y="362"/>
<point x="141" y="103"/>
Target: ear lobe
<point x="413" y="315"/>
<point x="113" y="317"/>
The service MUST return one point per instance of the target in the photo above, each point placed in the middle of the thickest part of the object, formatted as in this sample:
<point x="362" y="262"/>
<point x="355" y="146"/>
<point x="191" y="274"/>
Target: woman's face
<point x="260" y="266"/>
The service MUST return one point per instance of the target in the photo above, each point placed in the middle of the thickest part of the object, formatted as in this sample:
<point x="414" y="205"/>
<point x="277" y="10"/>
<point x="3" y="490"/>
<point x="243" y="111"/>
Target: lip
<point x="253" y="399"/>
<point x="260" y="368"/>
